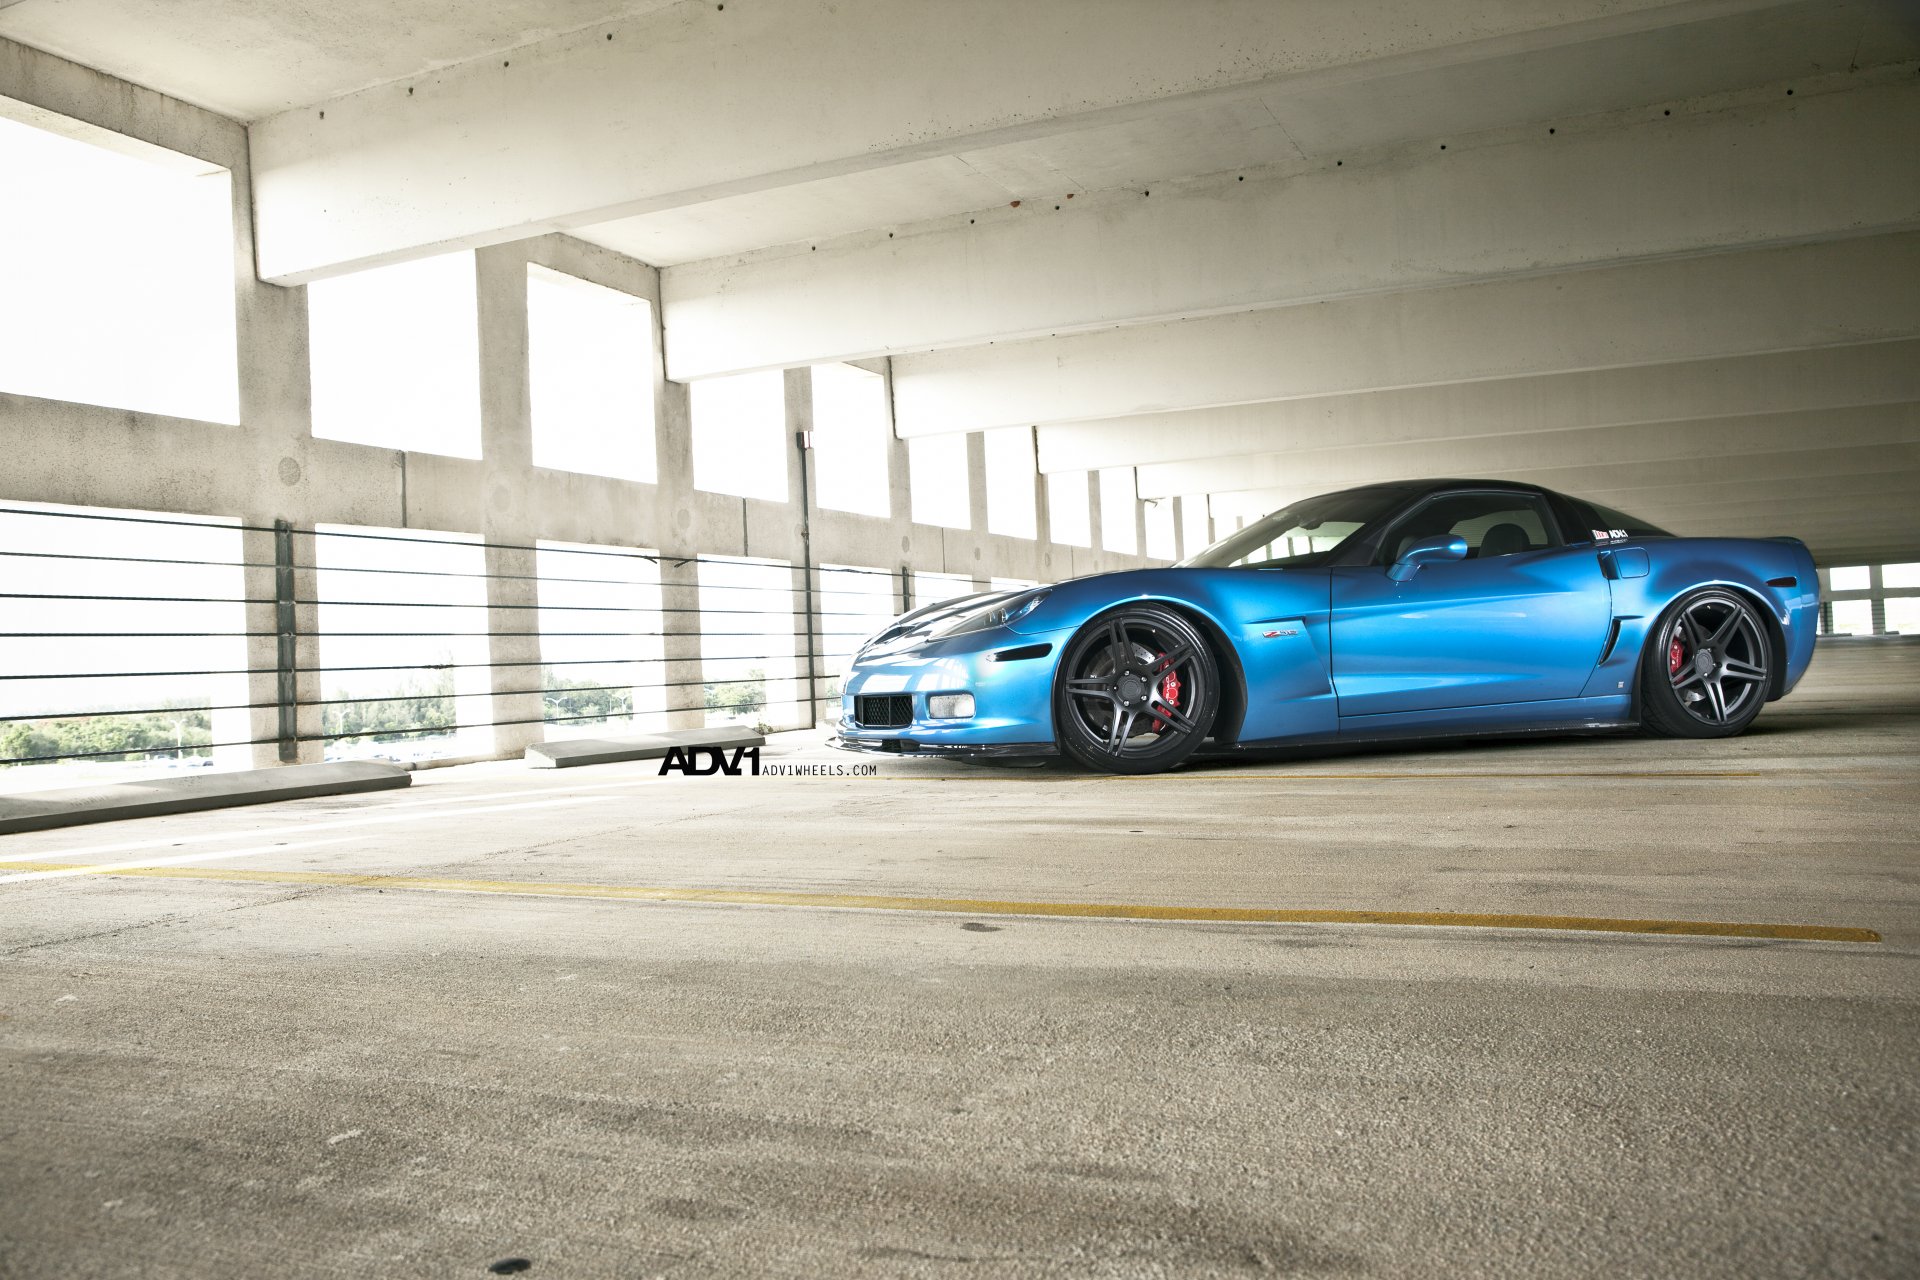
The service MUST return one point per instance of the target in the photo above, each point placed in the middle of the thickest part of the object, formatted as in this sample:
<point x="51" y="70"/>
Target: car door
<point x="1521" y="619"/>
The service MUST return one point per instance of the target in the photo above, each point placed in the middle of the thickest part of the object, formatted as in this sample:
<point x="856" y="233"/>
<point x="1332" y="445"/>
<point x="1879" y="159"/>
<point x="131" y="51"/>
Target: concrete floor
<point x="242" y="1068"/>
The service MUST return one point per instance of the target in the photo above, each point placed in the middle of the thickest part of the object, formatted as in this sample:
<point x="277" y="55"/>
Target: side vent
<point x="1613" y="638"/>
<point x="1783" y="582"/>
<point x="1021" y="654"/>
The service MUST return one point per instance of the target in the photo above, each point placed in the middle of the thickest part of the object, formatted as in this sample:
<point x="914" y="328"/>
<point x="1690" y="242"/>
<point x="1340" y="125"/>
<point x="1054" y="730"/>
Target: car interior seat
<point x="1504" y="540"/>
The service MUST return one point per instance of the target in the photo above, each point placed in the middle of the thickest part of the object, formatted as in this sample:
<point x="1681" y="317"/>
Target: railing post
<point x="286" y="643"/>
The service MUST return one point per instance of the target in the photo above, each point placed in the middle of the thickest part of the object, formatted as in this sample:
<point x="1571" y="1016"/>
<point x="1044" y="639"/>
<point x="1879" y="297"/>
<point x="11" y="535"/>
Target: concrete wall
<point x="271" y="467"/>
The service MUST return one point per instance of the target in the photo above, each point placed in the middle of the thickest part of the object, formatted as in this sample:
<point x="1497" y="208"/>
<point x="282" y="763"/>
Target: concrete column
<point x="310" y="723"/>
<point x="1096" y="552"/>
<point x="899" y="492"/>
<point x="681" y="669"/>
<point x="1877" y="585"/>
<point x="506" y="450"/>
<point x="260" y="724"/>
<point x="276" y="415"/>
<point x="517" y="676"/>
<point x="1139" y="522"/>
<point x="977" y="510"/>
<point x="809" y="672"/>
<point x="1043" y="519"/>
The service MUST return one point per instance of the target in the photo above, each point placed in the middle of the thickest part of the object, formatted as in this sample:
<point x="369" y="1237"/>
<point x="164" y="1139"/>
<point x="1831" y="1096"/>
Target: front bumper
<point x="1009" y="674"/>
<point x="956" y="750"/>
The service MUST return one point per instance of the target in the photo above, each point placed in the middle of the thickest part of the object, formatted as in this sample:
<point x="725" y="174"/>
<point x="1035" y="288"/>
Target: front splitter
<point x="950" y="750"/>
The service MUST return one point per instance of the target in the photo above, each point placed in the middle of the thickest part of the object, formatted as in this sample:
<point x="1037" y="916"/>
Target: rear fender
<point x="1750" y="566"/>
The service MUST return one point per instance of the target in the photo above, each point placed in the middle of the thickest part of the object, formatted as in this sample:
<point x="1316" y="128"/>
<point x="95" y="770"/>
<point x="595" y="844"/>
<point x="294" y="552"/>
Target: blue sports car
<point x="1440" y="608"/>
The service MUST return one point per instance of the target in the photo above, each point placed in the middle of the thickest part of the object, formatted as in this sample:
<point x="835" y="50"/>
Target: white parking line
<point x="304" y="828"/>
<point x="538" y="788"/>
<point x="202" y="856"/>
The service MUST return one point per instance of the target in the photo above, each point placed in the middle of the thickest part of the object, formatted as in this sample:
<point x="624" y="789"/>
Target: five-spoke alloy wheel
<point x="1709" y="669"/>
<point x="1137" y="691"/>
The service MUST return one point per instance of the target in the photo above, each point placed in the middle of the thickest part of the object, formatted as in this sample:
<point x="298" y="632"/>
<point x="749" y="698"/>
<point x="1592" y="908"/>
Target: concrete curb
<point x="151" y="797"/>
<point x="638" y="746"/>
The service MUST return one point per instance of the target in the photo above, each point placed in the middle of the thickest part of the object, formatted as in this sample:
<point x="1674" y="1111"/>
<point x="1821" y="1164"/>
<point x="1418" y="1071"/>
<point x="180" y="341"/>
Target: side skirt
<point x="1612" y="714"/>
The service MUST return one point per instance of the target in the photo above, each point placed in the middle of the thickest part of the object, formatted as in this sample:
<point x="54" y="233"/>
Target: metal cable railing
<point x="88" y="594"/>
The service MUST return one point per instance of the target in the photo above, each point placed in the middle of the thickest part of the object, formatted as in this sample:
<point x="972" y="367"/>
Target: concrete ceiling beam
<point x="1780" y="171"/>
<point x="1774" y="382"/>
<point x="697" y="102"/>
<point x="1701" y="308"/>
<point x="1782" y="502"/>
<point x="1591" y="454"/>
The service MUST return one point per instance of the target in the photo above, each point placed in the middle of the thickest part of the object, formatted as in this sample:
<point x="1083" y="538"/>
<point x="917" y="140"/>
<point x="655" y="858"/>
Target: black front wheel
<point x="1708" y="670"/>
<point x="1137" y="691"/>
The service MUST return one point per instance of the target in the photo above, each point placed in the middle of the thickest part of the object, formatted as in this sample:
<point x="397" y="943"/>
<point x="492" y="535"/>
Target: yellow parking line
<point x="991" y="907"/>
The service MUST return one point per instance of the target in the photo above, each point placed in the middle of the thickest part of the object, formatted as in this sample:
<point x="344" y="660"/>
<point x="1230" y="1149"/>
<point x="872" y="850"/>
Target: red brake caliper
<point x="1169" y="694"/>
<point x="1676" y="654"/>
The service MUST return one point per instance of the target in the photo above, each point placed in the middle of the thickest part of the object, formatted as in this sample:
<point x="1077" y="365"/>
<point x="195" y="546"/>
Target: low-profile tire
<point x="1137" y="691"/>
<point x="1707" y="667"/>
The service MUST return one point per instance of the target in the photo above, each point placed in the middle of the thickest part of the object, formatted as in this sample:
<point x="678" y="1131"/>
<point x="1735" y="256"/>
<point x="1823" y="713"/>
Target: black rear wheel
<point x="1137" y="691"/>
<point x="1708" y="668"/>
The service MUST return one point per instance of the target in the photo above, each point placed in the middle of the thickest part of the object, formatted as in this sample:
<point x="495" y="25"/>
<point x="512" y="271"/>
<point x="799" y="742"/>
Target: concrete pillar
<point x="276" y="397"/>
<point x="506" y="450"/>
<point x="259" y="724"/>
<point x="899" y="501"/>
<point x="1877" y="584"/>
<point x="1096" y="551"/>
<point x="1139" y="522"/>
<point x="809" y="672"/>
<point x="310" y="723"/>
<point x="516" y="676"/>
<point x="1043" y="519"/>
<point x="681" y="671"/>
<point x="977" y="511"/>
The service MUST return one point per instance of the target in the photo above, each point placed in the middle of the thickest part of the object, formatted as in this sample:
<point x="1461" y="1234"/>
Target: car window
<point x="1494" y="525"/>
<point x="1295" y="534"/>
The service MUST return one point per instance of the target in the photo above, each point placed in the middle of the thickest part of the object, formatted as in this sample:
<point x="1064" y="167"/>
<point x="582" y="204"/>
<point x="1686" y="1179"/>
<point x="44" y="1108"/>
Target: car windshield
<point x="1300" y="533"/>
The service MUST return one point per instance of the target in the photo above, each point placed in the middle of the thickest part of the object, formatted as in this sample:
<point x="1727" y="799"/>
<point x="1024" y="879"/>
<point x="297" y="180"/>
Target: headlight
<point x="994" y="615"/>
<point x="997" y="612"/>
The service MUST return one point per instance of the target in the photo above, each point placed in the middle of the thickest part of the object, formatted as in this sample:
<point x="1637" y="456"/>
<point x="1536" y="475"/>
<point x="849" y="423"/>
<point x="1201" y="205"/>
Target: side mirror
<point x="1444" y="546"/>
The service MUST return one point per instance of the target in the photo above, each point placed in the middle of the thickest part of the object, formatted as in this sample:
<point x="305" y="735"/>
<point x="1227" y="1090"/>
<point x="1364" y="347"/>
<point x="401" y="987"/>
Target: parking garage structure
<point x="427" y="390"/>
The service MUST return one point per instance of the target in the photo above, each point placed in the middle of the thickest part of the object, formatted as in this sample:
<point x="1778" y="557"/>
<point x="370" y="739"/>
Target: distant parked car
<point x="1438" y="608"/>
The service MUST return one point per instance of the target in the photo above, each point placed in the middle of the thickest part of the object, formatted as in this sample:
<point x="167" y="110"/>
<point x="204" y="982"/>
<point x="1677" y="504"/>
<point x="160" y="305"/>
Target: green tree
<point x="739" y="697"/>
<point x="187" y="731"/>
<point x="418" y="706"/>
<point x="580" y="701"/>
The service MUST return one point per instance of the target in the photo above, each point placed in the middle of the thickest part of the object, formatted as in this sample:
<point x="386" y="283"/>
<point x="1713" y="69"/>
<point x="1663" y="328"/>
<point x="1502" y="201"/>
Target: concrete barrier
<point x="636" y="746"/>
<point x="149" y="797"/>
